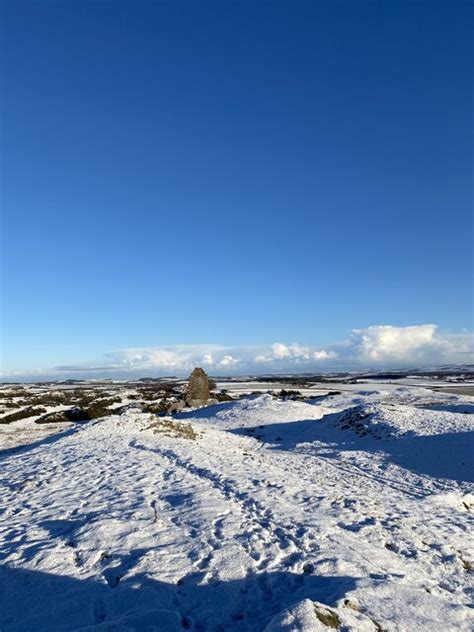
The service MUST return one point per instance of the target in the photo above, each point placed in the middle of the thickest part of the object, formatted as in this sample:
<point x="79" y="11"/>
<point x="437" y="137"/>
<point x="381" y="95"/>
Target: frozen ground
<point x="350" y="512"/>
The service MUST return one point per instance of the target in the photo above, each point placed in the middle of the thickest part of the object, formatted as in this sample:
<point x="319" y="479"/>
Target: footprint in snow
<point x="357" y="526"/>
<point x="112" y="578"/>
<point x="78" y="560"/>
<point x="204" y="563"/>
<point x="217" y="529"/>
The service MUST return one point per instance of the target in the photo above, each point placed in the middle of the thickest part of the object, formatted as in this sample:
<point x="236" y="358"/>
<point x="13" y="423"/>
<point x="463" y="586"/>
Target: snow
<point x="352" y="511"/>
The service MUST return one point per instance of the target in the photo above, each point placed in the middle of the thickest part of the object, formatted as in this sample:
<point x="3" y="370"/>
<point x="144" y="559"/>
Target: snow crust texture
<point x="351" y="512"/>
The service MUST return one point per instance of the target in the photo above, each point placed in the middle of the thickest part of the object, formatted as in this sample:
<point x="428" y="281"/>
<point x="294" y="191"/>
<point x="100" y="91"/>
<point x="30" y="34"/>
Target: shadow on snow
<point x="33" y="600"/>
<point x="449" y="455"/>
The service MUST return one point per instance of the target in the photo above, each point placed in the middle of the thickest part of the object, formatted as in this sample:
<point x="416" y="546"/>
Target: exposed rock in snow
<point x="305" y="616"/>
<point x="198" y="393"/>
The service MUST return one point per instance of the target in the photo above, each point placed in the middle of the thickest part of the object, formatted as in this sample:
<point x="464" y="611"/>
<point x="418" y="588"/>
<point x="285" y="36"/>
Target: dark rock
<point x="198" y="393"/>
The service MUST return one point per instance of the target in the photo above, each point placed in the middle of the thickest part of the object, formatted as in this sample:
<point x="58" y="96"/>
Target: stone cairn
<point x="198" y="393"/>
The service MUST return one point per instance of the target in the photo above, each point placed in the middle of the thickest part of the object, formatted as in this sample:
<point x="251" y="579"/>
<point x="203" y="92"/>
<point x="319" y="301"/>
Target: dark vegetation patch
<point x="164" y="406"/>
<point x="65" y="398"/>
<point x="364" y="421"/>
<point x="327" y="617"/>
<point x="11" y="392"/>
<point x="157" y="390"/>
<point x="100" y="408"/>
<point x="93" y="401"/>
<point x="22" y="414"/>
<point x="467" y="565"/>
<point x="288" y="394"/>
<point x="10" y="405"/>
<point x="302" y="382"/>
<point x="172" y="428"/>
<point x="328" y="394"/>
<point x="150" y="395"/>
<point x="64" y="416"/>
<point x="49" y="399"/>
<point x="296" y="395"/>
<point x="223" y="396"/>
<point x="355" y="419"/>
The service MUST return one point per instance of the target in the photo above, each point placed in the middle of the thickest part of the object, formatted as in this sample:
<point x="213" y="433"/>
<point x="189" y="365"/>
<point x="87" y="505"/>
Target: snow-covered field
<point x="350" y="512"/>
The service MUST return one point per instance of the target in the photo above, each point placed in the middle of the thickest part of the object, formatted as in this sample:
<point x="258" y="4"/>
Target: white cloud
<point x="376" y="346"/>
<point x="228" y="361"/>
<point x="384" y="342"/>
<point x="416" y="344"/>
<point x="176" y="358"/>
<point x="280" y="351"/>
<point x="323" y="354"/>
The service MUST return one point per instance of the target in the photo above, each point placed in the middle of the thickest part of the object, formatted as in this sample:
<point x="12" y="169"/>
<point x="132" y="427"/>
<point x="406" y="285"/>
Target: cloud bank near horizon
<point x="378" y="346"/>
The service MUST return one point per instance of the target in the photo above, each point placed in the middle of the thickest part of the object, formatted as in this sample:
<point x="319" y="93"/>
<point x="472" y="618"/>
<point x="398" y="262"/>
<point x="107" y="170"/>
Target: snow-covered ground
<point x="350" y="512"/>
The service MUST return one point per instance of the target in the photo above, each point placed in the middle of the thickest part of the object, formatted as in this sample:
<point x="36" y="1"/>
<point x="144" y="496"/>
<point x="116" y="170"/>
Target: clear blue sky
<point x="232" y="173"/>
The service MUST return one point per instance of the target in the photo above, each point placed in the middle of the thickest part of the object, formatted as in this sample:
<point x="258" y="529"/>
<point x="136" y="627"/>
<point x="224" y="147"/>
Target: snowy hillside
<point x="350" y="512"/>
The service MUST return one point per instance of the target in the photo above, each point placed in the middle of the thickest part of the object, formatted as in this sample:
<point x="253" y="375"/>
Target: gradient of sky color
<point x="232" y="173"/>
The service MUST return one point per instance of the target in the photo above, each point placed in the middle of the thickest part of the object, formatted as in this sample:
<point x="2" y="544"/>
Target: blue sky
<point x="222" y="177"/>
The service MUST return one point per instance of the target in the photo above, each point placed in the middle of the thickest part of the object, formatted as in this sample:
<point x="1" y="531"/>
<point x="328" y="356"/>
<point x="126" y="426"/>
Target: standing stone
<point x="198" y="388"/>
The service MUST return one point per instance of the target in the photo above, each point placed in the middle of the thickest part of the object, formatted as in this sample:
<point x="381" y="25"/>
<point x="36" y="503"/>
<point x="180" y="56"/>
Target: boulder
<point x="198" y="392"/>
